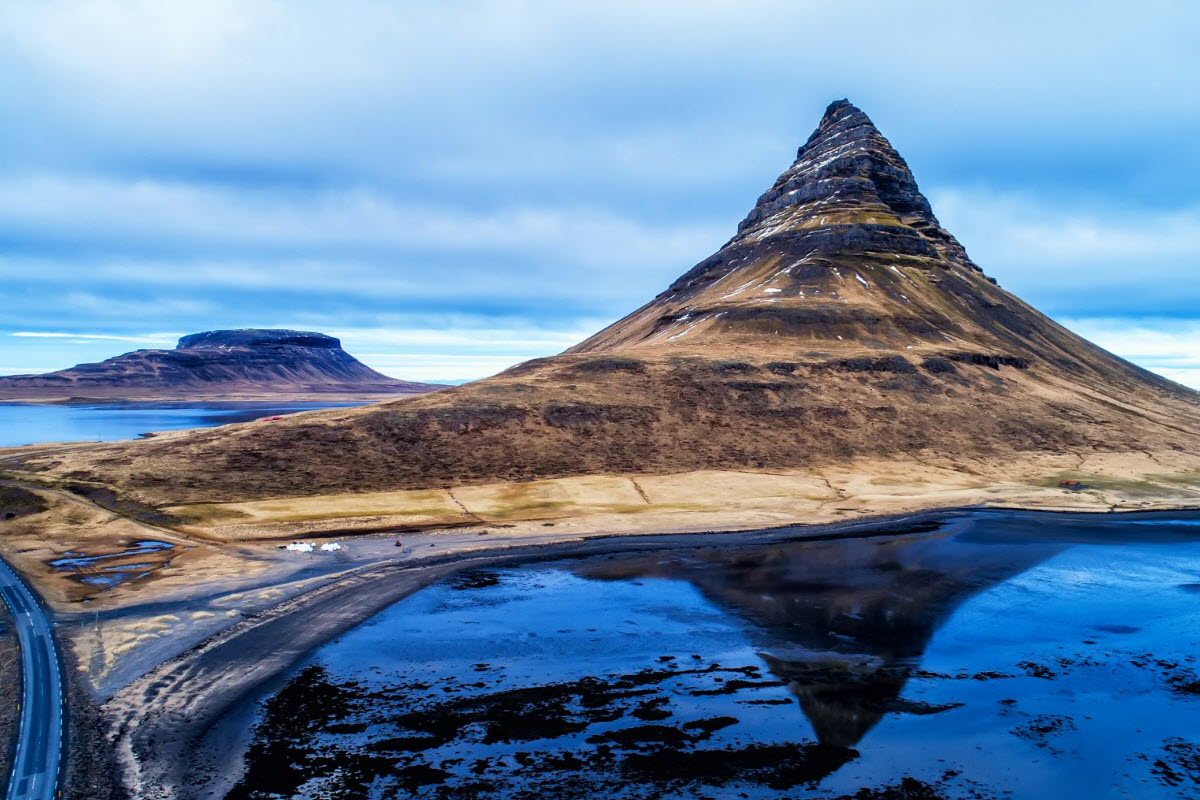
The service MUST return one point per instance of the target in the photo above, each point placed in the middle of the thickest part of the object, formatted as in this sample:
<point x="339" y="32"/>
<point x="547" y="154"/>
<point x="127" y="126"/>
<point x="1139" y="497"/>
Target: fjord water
<point x="985" y="655"/>
<point x="29" y="423"/>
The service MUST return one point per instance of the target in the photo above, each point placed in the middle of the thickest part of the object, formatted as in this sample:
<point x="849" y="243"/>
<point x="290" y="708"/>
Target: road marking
<point x="38" y="755"/>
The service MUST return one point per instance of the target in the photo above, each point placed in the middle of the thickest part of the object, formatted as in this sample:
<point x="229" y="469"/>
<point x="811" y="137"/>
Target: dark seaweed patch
<point x="1042" y="730"/>
<point x="1035" y="670"/>
<point x="906" y="789"/>
<point x="473" y="579"/>
<point x="776" y="766"/>
<point x="1179" y="764"/>
<point x="316" y="733"/>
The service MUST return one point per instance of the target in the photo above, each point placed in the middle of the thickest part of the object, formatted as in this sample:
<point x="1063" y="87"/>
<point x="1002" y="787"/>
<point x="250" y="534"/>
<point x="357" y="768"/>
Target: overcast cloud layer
<point x="458" y="186"/>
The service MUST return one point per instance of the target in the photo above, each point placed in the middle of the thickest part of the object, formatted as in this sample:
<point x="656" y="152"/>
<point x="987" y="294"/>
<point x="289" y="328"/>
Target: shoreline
<point x="206" y="400"/>
<point x="184" y="711"/>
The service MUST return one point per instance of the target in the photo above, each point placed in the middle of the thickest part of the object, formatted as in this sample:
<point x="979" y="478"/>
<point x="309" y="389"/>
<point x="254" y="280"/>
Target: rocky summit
<point x="233" y="363"/>
<point x="840" y="324"/>
<point x="843" y="243"/>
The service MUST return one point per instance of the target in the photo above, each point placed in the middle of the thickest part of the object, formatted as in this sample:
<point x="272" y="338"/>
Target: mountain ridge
<point x="848" y="211"/>
<point x="841" y="323"/>
<point x="243" y="362"/>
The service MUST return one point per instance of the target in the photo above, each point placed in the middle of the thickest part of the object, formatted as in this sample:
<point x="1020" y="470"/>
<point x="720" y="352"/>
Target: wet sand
<point x="166" y="722"/>
<point x="985" y="658"/>
<point x="172" y="725"/>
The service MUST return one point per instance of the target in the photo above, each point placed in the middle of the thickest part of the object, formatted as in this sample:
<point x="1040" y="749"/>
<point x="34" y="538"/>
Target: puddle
<point x="108" y="570"/>
<point x="74" y="560"/>
<point x="111" y="580"/>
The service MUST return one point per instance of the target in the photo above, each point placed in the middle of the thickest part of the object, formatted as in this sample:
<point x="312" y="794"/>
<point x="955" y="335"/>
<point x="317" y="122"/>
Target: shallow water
<point x="29" y="423"/>
<point x="72" y="560"/>
<point x="998" y="656"/>
<point x="108" y="570"/>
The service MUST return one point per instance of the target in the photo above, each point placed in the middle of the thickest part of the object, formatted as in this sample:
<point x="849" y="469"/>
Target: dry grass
<point x="421" y="503"/>
<point x="552" y="499"/>
<point x="719" y="499"/>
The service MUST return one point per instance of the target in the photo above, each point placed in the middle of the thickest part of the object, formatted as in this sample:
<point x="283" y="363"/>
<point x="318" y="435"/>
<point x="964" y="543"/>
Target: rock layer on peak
<point x="258" y="338"/>
<point x="225" y="364"/>
<point x="845" y="228"/>
<point x="841" y="323"/>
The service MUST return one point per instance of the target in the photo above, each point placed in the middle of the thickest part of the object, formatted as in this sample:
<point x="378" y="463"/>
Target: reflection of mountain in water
<point x="844" y="621"/>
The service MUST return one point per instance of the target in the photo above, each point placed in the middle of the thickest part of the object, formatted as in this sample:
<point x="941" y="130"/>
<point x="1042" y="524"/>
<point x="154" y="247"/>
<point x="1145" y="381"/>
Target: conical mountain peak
<point x="842" y="237"/>
<point x="840" y="115"/>
<point x="845" y="166"/>
<point x="841" y="327"/>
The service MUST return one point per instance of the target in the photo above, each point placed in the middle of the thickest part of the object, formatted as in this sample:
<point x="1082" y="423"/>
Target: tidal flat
<point x="979" y="656"/>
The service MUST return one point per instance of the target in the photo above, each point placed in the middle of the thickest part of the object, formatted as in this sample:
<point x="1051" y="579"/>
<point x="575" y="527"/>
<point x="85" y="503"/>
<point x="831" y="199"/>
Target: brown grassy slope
<point x="680" y="414"/>
<point x="840" y="322"/>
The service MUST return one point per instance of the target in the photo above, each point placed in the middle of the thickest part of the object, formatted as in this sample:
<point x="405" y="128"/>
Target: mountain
<point x="845" y="622"/>
<point x="231" y="363"/>
<point x="840" y="324"/>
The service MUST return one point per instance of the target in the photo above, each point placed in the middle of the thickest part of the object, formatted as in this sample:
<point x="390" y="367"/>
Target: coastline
<point x="181" y="711"/>
<point x="227" y="613"/>
<point x="185" y="400"/>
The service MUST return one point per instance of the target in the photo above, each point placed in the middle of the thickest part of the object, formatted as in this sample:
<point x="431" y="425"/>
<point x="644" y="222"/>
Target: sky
<point x="455" y="187"/>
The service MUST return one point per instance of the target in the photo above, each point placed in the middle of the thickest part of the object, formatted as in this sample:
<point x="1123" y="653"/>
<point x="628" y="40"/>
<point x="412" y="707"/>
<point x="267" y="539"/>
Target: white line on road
<point x="39" y="744"/>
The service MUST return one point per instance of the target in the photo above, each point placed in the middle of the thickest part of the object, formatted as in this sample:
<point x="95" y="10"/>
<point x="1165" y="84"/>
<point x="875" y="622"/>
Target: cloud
<point x="484" y="178"/>
<point x="111" y="245"/>
<point x="1074" y="257"/>
<point x="471" y="93"/>
<point x="94" y="336"/>
<point x="1170" y="347"/>
<point x="463" y="350"/>
<point x="135" y="216"/>
<point x="441" y="367"/>
<point x="463" y="335"/>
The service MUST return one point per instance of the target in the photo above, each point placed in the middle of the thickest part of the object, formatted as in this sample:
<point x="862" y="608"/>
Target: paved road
<point x="35" y="766"/>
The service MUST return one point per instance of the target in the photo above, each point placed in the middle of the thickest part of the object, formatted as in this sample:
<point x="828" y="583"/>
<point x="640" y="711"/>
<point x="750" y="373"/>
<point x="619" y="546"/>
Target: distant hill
<point x="230" y="364"/>
<point x="841" y="323"/>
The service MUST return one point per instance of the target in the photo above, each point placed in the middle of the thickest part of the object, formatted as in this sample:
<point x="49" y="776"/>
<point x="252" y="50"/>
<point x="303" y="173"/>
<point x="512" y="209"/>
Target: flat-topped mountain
<point x="230" y="363"/>
<point x="840" y="324"/>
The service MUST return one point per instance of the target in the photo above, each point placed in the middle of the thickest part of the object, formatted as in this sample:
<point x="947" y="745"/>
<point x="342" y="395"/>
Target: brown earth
<point x="841" y="324"/>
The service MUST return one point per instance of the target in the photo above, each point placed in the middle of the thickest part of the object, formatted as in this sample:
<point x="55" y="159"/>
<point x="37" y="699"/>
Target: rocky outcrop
<point x="257" y="338"/>
<point x="847" y="168"/>
<point x="247" y="362"/>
